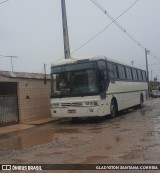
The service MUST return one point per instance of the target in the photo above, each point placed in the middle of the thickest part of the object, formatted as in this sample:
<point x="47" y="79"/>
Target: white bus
<point x="97" y="86"/>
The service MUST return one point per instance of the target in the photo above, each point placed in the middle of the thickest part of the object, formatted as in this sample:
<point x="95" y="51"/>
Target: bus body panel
<point x="126" y="92"/>
<point x="125" y="99"/>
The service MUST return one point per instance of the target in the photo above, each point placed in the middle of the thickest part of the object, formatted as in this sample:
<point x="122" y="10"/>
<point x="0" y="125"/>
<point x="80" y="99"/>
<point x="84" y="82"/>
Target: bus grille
<point x="72" y="104"/>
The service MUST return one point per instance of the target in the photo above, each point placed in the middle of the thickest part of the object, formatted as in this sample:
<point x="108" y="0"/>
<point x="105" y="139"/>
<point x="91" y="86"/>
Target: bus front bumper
<point x="75" y="111"/>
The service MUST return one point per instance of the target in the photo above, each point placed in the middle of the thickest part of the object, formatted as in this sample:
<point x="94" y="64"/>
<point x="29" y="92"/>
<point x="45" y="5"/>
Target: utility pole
<point x="147" y="52"/>
<point x="65" y="31"/>
<point x="11" y="60"/>
<point x="45" y="76"/>
<point x="132" y="62"/>
<point x="151" y="75"/>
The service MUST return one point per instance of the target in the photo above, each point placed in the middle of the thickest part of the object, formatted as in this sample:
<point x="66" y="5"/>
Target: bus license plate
<point x="71" y="111"/>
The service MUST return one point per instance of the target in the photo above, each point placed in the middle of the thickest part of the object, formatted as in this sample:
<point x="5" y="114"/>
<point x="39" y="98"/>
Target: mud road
<point x="131" y="137"/>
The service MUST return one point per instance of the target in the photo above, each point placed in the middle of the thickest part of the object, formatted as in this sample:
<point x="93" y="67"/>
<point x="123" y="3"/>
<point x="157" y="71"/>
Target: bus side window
<point x="134" y="73"/>
<point x="144" y="75"/>
<point x="115" y="71"/>
<point x="121" y="72"/>
<point x="110" y="70"/>
<point x="128" y="73"/>
<point x="139" y="75"/>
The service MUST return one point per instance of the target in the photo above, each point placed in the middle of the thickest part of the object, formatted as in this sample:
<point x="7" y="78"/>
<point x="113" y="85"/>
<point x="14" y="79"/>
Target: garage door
<point x="8" y="103"/>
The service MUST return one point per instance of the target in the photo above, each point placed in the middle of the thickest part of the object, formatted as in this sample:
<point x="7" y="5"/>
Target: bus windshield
<point x="75" y="83"/>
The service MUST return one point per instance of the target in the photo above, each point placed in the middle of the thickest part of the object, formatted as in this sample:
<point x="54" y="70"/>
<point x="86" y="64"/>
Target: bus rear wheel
<point x="113" y="109"/>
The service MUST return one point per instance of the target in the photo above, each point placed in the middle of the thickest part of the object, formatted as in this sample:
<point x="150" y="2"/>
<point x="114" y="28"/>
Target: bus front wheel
<point x="113" y="108"/>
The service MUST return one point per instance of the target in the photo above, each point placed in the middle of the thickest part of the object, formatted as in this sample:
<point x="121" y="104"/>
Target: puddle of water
<point x="3" y="136"/>
<point x="28" y="141"/>
<point x="97" y="131"/>
<point x="124" y="130"/>
<point x="66" y="131"/>
<point x="31" y="140"/>
<point x="145" y="111"/>
<point x="96" y="128"/>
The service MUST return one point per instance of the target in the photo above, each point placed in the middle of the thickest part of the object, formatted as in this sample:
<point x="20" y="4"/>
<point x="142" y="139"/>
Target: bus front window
<point x="84" y="82"/>
<point x="75" y="83"/>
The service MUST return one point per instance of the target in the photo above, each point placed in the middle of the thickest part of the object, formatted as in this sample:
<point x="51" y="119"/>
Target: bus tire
<point x="141" y="101"/>
<point x="113" y="108"/>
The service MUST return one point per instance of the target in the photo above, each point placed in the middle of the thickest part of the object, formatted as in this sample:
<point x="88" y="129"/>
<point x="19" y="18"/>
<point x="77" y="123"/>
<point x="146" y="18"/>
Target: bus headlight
<point x="95" y="103"/>
<point x="91" y="103"/>
<point x="55" y="105"/>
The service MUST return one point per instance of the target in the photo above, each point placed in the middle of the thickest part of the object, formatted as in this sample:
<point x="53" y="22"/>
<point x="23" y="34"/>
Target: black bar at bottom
<point x="37" y="167"/>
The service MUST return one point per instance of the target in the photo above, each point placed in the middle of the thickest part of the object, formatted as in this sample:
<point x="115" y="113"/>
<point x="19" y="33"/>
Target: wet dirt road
<point x="132" y="137"/>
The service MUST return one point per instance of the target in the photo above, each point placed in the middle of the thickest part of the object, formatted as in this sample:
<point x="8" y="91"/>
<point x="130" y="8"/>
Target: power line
<point x="100" y="32"/>
<point x="114" y="21"/>
<point x="153" y="64"/>
<point x="121" y="28"/>
<point x="155" y="57"/>
<point x="3" y="2"/>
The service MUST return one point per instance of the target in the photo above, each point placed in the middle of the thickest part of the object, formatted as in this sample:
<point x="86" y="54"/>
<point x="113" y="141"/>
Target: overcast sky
<point x="32" y="30"/>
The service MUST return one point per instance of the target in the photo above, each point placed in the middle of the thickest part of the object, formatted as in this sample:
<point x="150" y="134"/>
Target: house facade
<point x="23" y="97"/>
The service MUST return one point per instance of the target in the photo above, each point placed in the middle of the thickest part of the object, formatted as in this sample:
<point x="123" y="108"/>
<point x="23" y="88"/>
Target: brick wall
<point x="33" y="98"/>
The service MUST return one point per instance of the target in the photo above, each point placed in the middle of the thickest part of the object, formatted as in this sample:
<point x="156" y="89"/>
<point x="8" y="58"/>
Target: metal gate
<point x="8" y="103"/>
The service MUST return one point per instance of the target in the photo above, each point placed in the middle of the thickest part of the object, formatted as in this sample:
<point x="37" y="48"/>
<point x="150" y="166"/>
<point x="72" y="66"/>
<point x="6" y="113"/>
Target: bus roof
<point x="89" y="58"/>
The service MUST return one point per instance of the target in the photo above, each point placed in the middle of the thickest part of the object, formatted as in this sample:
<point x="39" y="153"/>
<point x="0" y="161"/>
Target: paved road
<point x="132" y="137"/>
